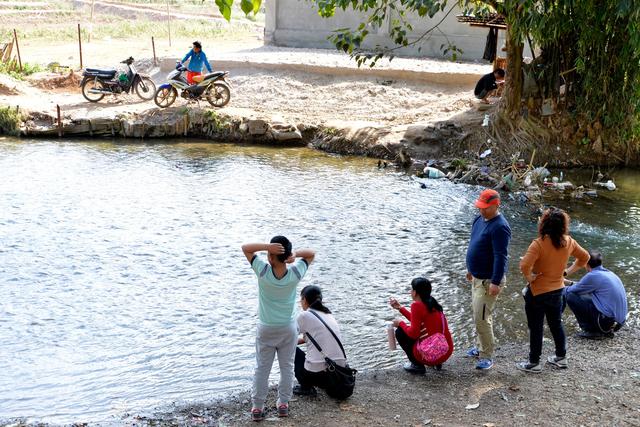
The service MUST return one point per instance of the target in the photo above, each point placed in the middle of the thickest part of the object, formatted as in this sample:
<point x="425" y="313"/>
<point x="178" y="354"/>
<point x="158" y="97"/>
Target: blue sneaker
<point x="484" y="364"/>
<point x="472" y="352"/>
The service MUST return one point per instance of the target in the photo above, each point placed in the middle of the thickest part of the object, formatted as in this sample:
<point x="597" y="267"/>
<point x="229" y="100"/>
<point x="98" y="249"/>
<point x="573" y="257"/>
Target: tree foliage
<point x="247" y="6"/>
<point x="589" y="48"/>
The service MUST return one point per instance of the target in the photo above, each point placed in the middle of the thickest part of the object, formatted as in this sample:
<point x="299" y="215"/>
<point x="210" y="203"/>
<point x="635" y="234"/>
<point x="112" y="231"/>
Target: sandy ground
<point x="311" y="86"/>
<point x="599" y="389"/>
<point x="319" y="98"/>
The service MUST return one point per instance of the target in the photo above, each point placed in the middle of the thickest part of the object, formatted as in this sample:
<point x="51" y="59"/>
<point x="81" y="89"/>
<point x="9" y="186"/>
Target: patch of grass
<point x="459" y="163"/>
<point x="10" y="119"/>
<point x="330" y="131"/>
<point x="116" y="27"/>
<point x="220" y="123"/>
<point x="12" y="69"/>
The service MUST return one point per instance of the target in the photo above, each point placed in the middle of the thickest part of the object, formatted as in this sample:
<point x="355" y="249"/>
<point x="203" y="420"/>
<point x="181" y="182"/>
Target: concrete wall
<point x="296" y="23"/>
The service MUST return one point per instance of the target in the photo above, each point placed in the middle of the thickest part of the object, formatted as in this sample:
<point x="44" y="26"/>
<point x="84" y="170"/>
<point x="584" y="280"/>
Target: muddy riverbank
<point x="599" y="388"/>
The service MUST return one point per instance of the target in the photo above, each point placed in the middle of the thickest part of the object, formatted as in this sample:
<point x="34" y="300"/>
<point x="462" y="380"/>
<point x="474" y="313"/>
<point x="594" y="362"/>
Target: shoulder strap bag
<point x="340" y="381"/>
<point x="434" y="347"/>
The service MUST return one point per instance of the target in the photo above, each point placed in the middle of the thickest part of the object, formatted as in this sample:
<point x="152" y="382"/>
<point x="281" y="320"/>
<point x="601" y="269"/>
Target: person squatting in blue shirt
<point x="598" y="300"/>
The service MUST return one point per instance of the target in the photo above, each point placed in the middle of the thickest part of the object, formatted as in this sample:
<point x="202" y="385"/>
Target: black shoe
<point x="591" y="335"/>
<point x="438" y="367"/>
<point x="305" y="391"/>
<point x="413" y="368"/>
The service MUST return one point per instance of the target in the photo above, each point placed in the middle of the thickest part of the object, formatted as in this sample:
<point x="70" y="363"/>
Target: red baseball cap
<point x="488" y="198"/>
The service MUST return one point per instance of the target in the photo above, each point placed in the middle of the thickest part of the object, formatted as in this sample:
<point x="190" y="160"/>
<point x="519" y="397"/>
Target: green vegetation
<point x="220" y="123"/>
<point x="330" y="131"/>
<point x="591" y="46"/>
<point x="459" y="164"/>
<point x="13" y="70"/>
<point x="118" y="28"/>
<point x="10" y="119"/>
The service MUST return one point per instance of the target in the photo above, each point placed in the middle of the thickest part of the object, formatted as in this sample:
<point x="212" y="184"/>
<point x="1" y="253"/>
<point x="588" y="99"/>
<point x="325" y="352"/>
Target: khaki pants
<point x="483" y="304"/>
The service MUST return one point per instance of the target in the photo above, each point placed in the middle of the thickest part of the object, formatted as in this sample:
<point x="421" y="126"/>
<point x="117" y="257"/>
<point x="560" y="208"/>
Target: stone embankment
<point x="367" y="139"/>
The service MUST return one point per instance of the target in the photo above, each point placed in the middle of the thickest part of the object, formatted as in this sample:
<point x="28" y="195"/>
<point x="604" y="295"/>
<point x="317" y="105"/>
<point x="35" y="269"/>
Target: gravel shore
<point x="599" y="389"/>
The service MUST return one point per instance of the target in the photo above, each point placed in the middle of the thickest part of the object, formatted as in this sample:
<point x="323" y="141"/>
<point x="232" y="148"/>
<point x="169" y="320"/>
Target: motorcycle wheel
<point x="218" y="94"/>
<point x="89" y="84"/>
<point x="146" y="88"/>
<point x="165" y="96"/>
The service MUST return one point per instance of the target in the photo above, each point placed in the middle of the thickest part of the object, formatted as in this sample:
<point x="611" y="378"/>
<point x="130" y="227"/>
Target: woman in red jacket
<point x="425" y="318"/>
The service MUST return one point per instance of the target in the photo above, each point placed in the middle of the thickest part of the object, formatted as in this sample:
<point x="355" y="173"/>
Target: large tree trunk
<point x="514" y="79"/>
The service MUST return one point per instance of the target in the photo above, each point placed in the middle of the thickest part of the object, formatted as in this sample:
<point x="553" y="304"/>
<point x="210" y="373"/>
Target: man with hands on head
<point x="278" y="275"/>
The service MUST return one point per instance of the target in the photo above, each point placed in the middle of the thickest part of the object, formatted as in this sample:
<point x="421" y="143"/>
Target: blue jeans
<point x="588" y="316"/>
<point x="549" y="305"/>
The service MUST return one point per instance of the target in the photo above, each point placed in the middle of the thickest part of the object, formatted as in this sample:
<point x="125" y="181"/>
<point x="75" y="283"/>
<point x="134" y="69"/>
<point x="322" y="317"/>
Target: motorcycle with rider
<point x="192" y="84"/>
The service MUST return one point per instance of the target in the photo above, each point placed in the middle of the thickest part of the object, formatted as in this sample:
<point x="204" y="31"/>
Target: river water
<point x="123" y="288"/>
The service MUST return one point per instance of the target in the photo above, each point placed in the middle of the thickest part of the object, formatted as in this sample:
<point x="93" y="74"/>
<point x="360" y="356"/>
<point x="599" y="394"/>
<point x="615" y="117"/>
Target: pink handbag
<point x="433" y="347"/>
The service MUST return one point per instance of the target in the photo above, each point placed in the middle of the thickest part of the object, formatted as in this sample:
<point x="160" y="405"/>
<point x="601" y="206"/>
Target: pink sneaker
<point x="283" y="410"/>
<point x="258" y="414"/>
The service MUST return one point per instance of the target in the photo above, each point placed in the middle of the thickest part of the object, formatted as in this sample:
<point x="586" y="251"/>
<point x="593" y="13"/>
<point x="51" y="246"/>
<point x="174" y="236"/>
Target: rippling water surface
<point x="123" y="287"/>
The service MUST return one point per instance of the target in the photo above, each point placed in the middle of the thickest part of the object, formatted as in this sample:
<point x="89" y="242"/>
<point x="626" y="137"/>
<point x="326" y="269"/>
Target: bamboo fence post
<point x="80" y="45"/>
<point x="153" y="45"/>
<point x="15" y="36"/>
<point x="59" y="121"/>
<point x="91" y="21"/>
<point x="169" y="22"/>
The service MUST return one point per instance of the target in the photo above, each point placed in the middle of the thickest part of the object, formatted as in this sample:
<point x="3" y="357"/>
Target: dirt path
<point x="294" y="96"/>
<point x="599" y="389"/>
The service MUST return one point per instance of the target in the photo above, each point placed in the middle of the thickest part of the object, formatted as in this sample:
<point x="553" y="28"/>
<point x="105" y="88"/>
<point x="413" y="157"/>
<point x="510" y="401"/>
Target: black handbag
<point x="340" y="381"/>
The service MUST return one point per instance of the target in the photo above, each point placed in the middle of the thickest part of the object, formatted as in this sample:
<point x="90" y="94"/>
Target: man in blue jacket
<point x="598" y="300"/>
<point x="197" y="61"/>
<point x="487" y="257"/>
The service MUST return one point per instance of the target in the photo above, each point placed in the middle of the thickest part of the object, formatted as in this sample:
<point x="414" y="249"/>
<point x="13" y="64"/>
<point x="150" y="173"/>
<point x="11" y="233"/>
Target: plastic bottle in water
<point x="391" y="335"/>
<point x="433" y="173"/>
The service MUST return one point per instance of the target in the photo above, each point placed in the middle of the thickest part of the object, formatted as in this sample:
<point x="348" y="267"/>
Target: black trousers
<point x="589" y="317"/>
<point x="307" y="379"/>
<point x="549" y="305"/>
<point x="407" y="343"/>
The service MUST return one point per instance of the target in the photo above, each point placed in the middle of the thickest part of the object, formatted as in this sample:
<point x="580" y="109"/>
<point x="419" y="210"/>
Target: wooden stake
<point x="80" y="45"/>
<point x="91" y="21"/>
<point x="169" y="22"/>
<point x="153" y="44"/>
<point x="15" y="36"/>
<point x="59" y="122"/>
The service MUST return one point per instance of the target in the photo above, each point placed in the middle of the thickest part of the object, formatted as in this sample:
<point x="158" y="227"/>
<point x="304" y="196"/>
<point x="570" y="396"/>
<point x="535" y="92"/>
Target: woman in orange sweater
<point x="544" y="267"/>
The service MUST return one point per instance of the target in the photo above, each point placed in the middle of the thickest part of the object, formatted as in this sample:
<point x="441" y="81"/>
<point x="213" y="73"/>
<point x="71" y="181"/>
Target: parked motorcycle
<point x="96" y="83"/>
<point x="213" y="87"/>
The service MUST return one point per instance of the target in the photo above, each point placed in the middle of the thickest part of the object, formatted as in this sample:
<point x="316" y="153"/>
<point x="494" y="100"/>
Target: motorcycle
<point x="96" y="83"/>
<point x="213" y="87"/>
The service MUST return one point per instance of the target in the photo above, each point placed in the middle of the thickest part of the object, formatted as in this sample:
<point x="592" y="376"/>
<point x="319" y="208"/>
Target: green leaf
<point x="246" y="6"/>
<point x="249" y="6"/>
<point x="225" y="8"/>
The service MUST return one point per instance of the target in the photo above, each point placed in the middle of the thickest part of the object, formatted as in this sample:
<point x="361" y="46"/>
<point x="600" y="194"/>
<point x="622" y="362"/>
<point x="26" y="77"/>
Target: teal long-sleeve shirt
<point x="197" y="61"/>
